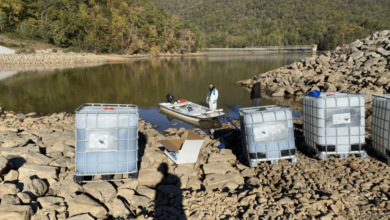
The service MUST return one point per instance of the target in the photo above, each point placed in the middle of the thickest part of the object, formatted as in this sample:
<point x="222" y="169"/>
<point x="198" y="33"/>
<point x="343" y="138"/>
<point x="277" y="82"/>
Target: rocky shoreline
<point x="360" y="67"/>
<point x="37" y="165"/>
<point x="49" y="57"/>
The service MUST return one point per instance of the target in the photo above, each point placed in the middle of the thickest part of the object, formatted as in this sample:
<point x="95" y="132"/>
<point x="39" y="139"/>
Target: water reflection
<point x="6" y="74"/>
<point x="204" y="124"/>
<point x="281" y="57"/>
<point x="145" y="83"/>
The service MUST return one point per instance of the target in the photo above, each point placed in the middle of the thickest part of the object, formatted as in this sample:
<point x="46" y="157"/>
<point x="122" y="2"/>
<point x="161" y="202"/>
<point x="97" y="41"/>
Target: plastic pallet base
<point x="81" y="179"/>
<point x="323" y="155"/>
<point x="254" y="163"/>
<point x="379" y="154"/>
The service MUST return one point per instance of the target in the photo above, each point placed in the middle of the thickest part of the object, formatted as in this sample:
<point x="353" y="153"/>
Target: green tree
<point x="12" y="9"/>
<point x="280" y="22"/>
<point x="120" y="26"/>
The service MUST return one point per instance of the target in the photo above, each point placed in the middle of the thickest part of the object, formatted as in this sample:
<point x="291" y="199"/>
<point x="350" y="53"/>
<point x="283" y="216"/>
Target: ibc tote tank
<point x="381" y="125"/>
<point x="106" y="141"/>
<point x="334" y="123"/>
<point x="267" y="134"/>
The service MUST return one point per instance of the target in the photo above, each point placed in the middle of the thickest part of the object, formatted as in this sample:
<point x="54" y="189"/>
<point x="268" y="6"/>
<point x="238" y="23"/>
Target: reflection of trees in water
<point x="144" y="83"/>
<point x="43" y="68"/>
<point x="6" y="74"/>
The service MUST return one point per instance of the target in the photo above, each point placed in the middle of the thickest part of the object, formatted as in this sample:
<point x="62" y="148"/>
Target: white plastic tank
<point x="106" y="140"/>
<point x="380" y="128"/>
<point x="334" y="123"/>
<point x="267" y="134"/>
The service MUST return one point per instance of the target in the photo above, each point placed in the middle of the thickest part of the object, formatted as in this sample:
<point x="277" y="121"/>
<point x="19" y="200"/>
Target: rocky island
<point x="360" y="67"/>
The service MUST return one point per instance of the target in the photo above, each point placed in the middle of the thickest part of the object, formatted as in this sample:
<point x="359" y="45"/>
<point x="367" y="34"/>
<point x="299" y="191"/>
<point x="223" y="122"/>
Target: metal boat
<point x="190" y="111"/>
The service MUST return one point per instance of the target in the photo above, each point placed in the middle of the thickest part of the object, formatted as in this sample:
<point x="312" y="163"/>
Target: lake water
<point x="144" y="83"/>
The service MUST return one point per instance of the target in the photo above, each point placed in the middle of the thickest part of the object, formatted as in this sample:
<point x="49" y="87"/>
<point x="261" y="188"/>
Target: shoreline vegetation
<point x="33" y="52"/>
<point x="100" y="27"/>
<point x="249" y="23"/>
<point x="129" y="27"/>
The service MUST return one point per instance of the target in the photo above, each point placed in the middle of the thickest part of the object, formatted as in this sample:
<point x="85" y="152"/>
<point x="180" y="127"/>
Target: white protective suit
<point x="213" y="96"/>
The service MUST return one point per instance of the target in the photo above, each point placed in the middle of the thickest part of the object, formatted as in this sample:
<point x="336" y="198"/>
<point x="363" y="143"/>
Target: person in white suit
<point x="212" y="97"/>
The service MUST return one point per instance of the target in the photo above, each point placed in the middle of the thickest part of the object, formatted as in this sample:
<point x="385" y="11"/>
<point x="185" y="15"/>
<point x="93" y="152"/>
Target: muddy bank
<point x="37" y="165"/>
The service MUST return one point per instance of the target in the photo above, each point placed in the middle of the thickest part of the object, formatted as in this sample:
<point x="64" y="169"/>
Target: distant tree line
<point x="239" y="23"/>
<point x="120" y="26"/>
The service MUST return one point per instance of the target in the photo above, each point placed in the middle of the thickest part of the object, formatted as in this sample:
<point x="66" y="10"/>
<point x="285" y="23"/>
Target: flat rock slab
<point x="25" y="153"/>
<point x="7" y="188"/>
<point x="82" y="204"/>
<point x="102" y="191"/>
<point x="224" y="156"/>
<point x="148" y="192"/>
<point x="81" y="217"/>
<point x="10" y="142"/>
<point x="24" y="197"/>
<point x="129" y="184"/>
<point x="48" y="201"/>
<point x="218" y="168"/>
<point x="150" y="177"/>
<point x="66" y="188"/>
<point x="125" y="194"/>
<point x="118" y="209"/>
<point x="12" y="176"/>
<point x="215" y="181"/>
<point x="19" y="212"/>
<point x="139" y="201"/>
<point x="9" y="200"/>
<point x="194" y="184"/>
<point x="185" y="170"/>
<point x="42" y="172"/>
<point x="52" y="139"/>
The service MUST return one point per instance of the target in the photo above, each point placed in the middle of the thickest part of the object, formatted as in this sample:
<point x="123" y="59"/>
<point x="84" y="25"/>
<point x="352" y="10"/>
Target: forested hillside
<point x="122" y="26"/>
<point x="238" y="23"/>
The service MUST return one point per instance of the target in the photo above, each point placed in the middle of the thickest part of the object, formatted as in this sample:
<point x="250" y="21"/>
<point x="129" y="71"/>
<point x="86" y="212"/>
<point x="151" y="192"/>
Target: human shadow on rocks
<point x="141" y="146"/>
<point x="169" y="198"/>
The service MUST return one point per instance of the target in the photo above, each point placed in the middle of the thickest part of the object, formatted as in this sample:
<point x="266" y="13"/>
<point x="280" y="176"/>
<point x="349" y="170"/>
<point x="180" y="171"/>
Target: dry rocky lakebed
<point x="37" y="161"/>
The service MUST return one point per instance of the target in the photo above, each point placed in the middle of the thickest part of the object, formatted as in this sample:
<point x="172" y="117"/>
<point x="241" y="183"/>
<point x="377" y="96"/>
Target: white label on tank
<point x="261" y="132"/>
<point x="342" y="118"/>
<point x="98" y="141"/>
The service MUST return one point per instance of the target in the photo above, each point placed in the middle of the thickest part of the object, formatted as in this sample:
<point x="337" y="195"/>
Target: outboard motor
<point x="170" y="98"/>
